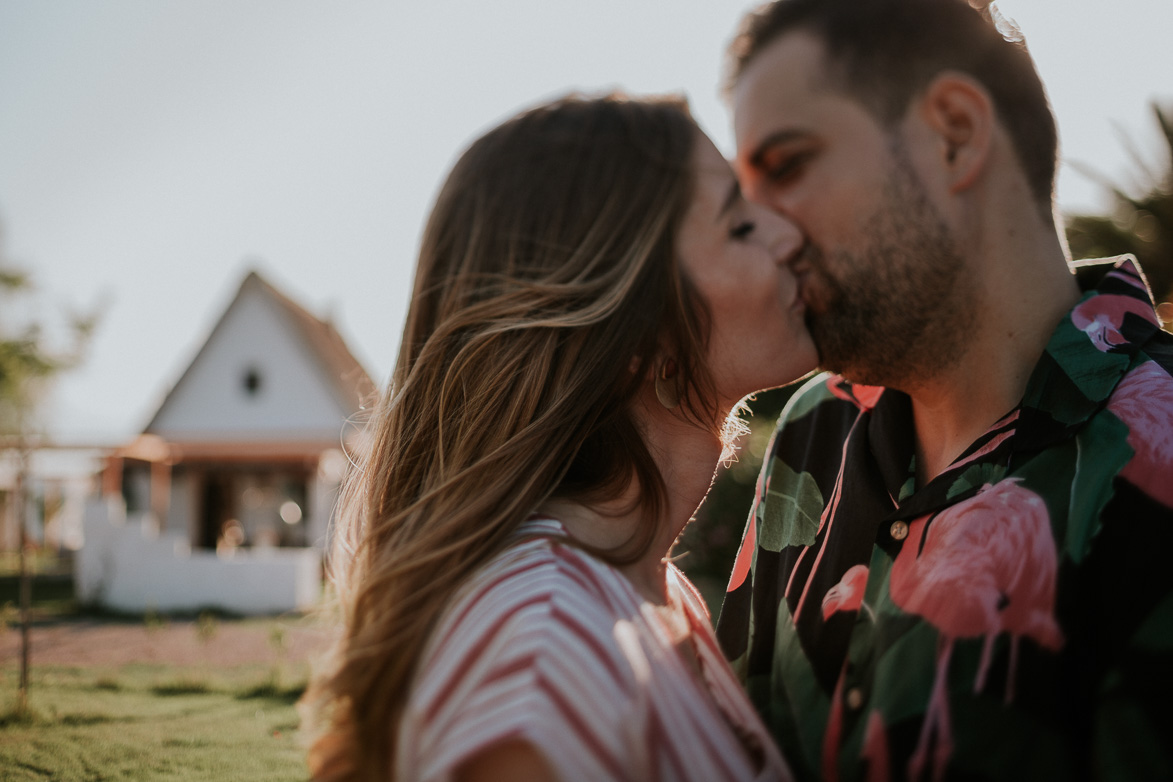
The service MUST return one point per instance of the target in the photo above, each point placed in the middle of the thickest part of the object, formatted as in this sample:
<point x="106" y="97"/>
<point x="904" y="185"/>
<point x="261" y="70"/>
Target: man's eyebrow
<point x="773" y="140"/>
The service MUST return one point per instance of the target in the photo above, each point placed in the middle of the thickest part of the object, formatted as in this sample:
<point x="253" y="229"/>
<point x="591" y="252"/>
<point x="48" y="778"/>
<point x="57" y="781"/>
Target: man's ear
<point x="960" y="113"/>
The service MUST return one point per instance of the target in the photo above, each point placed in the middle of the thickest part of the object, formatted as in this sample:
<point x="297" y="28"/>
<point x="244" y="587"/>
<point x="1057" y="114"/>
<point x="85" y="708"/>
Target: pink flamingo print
<point x="847" y="595"/>
<point x="875" y="748"/>
<point x="875" y="741"/>
<point x="863" y="397"/>
<point x="1144" y="402"/>
<point x="1101" y="318"/>
<point x="984" y="566"/>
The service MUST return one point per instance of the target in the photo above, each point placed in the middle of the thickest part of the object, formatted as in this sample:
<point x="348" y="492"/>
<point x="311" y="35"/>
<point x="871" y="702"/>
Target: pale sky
<point x="152" y="151"/>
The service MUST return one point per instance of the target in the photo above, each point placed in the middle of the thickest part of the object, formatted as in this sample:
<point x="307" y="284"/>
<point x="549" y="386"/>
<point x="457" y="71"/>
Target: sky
<point x="152" y="152"/>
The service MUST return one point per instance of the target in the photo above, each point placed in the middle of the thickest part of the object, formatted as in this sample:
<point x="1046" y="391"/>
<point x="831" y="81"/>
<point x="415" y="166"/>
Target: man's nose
<point x="786" y="238"/>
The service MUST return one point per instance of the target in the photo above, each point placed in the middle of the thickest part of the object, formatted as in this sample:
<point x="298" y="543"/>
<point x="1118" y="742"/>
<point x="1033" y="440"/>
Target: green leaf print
<point x="1102" y="450"/>
<point x="1156" y="634"/>
<point x="792" y="507"/>
<point x="975" y="476"/>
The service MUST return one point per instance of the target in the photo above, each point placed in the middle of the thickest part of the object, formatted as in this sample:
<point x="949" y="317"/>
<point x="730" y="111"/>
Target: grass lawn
<point x="52" y="588"/>
<point x="152" y="722"/>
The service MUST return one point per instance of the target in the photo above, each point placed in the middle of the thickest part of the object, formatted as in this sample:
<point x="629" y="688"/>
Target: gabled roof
<point x="353" y="384"/>
<point x="348" y="381"/>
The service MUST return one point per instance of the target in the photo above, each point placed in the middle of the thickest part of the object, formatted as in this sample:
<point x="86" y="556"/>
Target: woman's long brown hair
<point x="545" y="290"/>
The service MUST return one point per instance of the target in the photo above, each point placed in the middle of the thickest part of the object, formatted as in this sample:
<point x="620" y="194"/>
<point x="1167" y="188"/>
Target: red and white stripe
<point x="550" y="645"/>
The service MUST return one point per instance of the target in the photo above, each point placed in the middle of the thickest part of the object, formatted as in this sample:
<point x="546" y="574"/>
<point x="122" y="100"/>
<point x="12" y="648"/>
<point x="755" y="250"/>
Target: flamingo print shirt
<point x="1010" y="619"/>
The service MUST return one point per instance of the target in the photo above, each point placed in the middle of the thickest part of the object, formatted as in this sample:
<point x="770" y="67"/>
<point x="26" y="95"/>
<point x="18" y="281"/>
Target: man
<point x="961" y="545"/>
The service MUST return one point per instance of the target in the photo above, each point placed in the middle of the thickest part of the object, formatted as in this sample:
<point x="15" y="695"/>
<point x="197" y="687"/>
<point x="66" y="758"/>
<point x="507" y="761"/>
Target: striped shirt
<point x="549" y="645"/>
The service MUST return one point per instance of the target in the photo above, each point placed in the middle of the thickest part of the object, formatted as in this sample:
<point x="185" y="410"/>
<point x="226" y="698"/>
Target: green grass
<point x="52" y="586"/>
<point x="39" y="562"/>
<point x="52" y="597"/>
<point x="152" y="722"/>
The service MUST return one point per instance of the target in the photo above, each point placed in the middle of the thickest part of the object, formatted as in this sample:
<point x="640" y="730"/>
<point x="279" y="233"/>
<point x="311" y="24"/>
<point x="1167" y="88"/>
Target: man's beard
<point x="900" y="310"/>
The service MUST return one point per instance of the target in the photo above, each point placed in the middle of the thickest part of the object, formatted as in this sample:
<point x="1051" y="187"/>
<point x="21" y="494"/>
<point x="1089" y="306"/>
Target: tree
<point x="1139" y="224"/>
<point x="27" y="363"/>
<point x="24" y="362"/>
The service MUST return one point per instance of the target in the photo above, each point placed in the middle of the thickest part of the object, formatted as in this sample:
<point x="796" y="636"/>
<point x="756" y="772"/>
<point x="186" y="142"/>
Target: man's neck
<point x="1023" y="303"/>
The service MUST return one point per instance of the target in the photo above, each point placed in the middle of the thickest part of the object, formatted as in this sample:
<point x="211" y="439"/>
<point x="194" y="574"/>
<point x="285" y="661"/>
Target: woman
<point x="593" y="296"/>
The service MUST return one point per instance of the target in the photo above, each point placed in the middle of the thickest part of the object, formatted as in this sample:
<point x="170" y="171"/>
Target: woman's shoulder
<point x="526" y="650"/>
<point x="539" y="594"/>
<point x="541" y="565"/>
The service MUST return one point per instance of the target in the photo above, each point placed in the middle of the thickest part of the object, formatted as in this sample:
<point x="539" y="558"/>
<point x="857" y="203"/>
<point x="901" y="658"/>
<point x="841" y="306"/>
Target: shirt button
<point x="854" y="698"/>
<point x="898" y="530"/>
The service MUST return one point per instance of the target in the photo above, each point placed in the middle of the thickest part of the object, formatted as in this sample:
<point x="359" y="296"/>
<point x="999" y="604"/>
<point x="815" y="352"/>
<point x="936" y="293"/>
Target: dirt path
<point x="89" y="642"/>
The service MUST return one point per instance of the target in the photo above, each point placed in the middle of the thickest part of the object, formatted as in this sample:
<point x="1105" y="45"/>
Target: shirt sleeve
<point x="538" y="660"/>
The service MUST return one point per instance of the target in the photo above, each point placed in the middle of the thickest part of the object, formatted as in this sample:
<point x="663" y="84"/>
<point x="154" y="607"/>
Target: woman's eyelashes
<point x="741" y="230"/>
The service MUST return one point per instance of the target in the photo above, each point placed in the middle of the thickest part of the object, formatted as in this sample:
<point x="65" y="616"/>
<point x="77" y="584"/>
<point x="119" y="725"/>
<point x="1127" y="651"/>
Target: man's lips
<point x="802" y="278"/>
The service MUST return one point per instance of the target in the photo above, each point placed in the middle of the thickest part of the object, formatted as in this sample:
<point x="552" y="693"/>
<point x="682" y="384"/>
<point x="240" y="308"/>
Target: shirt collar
<point x="1088" y="354"/>
<point x="1090" y="351"/>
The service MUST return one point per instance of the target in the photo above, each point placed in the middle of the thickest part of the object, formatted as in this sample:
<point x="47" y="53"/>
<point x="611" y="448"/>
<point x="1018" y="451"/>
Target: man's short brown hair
<point x="884" y="52"/>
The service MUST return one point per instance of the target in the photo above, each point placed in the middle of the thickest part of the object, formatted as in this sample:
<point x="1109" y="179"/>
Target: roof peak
<point x="349" y="380"/>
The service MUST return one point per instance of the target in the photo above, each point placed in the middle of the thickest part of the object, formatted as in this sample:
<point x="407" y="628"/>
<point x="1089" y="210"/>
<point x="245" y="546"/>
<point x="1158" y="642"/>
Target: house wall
<point x="213" y="401"/>
<point x="58" y="484"/>
<point x="322" y="494"/>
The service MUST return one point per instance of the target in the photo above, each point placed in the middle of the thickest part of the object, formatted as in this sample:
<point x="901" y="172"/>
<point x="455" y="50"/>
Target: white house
<point x="224" y="499"/>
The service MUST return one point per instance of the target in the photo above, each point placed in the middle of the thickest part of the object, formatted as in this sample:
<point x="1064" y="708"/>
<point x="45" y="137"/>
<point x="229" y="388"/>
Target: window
<point x="252" y="381"/>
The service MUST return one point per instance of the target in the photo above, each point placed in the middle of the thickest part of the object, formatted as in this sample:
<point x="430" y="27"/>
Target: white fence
<point x="125" y="565"/>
